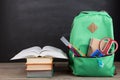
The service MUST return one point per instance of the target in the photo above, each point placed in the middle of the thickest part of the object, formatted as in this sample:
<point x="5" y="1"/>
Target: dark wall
<point x="26" y="23"/>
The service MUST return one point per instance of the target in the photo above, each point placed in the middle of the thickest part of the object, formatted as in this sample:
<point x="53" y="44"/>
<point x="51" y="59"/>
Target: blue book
<point x="97" y="53"/>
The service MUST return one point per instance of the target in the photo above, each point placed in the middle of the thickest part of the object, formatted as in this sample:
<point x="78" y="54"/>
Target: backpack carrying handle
<point x="104" y="13"/>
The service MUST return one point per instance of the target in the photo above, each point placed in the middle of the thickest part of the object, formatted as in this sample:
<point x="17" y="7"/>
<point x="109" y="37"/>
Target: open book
<point x="37" y="51"/>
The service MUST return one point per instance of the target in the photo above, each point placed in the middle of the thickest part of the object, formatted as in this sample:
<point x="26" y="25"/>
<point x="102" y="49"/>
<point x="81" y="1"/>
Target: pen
<point x="70" y="46"/>
<point x="73" y="50"/>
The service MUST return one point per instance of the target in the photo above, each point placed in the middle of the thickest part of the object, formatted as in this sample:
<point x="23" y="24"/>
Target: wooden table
<point x="16" y="71"/>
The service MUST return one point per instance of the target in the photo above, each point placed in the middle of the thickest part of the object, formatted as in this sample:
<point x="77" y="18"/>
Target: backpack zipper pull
<point x="100" y="63"/>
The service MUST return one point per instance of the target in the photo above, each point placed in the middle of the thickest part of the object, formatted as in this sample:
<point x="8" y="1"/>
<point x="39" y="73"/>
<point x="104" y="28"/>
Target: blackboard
<point x="26" y="23"/>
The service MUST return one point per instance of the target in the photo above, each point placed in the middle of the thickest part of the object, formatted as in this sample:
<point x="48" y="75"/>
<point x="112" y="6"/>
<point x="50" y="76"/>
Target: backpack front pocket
<point x="84" y="66"/>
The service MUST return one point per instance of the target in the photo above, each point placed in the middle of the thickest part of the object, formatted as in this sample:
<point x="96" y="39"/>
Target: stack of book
<point x="39" y="67"/>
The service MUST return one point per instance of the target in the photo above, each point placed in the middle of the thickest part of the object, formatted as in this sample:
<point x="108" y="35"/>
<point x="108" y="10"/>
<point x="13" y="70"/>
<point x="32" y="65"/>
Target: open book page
<point x="29" y="52"/>
<point x="37" y="51"/>
<point x="53" y="52"/>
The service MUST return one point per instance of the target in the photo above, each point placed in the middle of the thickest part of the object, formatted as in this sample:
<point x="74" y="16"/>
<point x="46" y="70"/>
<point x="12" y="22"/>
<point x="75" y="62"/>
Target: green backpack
<point x="80" y="38"/>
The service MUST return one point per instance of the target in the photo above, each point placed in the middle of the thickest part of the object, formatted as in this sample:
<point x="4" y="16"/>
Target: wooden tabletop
<point x="16" y="71"/>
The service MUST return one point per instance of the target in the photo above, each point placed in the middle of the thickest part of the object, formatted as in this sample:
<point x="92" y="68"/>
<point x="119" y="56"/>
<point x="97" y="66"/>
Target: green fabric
<point x="89" y="66"/>
<point x="80" y="37"/>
